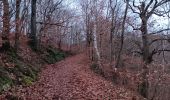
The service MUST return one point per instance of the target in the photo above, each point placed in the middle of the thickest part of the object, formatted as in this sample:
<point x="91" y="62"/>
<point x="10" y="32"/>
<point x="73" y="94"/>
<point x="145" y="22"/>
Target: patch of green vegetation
<point x="5" y="81"/>
<point x="26" y="80"/>
<point x="12" y="55"/>
<point x="26" y="69"/>
<point x="24" y="73"/>
<point x="54" y="55"/>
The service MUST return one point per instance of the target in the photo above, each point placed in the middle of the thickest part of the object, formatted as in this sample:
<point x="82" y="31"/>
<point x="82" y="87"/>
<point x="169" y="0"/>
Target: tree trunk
<point x="144" y="86"/>
<point x="111" y="38"/>
<point x="145" y="42"/>
<point x="122" y="35"/>
<point x="96" y="46"/>
<point x="59" y="44"/>
<point x="17" y="23"/>
<point x="33" y="36"/>
<point x="6" y="26"/>
<point x="88" y="38"/>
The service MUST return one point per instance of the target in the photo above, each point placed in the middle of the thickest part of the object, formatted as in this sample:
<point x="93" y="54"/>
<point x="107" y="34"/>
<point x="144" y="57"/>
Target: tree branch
<point x="152" y="10"/>
<point x="134" y="28"/>
<point x="57" y="24"/>
<point x="133" y="9"/>
<point x="149" y="4"/>
<point x="138" y="52"/>
<point x="161" y="14"/>
<point x="159" y="31"/>
<point x="159" y="51"/>
<point x="160" y="39"/>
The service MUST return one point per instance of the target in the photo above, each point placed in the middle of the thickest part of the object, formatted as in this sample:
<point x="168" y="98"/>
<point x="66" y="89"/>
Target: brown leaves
<point x="72" y="79"/>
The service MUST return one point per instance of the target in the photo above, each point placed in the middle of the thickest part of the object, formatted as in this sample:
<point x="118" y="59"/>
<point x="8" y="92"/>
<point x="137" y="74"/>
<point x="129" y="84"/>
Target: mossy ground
<point x="53" y="55"/>
<point x="5" y="80"/>
<point x="22" y="72"/>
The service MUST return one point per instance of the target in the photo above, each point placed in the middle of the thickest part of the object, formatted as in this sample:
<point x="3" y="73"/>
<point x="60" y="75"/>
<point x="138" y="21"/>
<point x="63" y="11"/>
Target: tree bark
<point x="33" y="34"/>
<point x="17" y="24"/>
<point x="144" y="86"/>
<point x="6" y="26"/>
<point x="95" y="44"/>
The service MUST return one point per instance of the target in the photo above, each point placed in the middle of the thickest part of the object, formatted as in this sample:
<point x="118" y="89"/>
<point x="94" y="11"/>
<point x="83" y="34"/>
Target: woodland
<point x="84" y="49"/>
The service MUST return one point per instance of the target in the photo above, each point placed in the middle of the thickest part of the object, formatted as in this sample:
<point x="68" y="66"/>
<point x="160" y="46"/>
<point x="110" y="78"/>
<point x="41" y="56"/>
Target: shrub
<point x="54" y="55"/>
<point x="96" y="69"/>
<point x="27" y="80"/>
<point x="5" y="81"/>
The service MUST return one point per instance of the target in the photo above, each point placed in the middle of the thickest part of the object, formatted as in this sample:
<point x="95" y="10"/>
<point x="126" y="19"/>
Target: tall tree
<point x="0" y="16"/>
<point x="6" y="26"/>
<point x="86" y="10"/>
<point x="33" y="34"/>
<point x="95" y="17"/>
<point x="17" y="24"/>
<point x="112" y="30"/>
<point x="145" y="10"/>
<point x="122" y="35"/>
<point x="115" y="14"/>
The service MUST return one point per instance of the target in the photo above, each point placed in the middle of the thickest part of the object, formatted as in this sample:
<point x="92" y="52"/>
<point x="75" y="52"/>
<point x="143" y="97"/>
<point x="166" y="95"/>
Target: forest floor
<point x="72" y="79"/>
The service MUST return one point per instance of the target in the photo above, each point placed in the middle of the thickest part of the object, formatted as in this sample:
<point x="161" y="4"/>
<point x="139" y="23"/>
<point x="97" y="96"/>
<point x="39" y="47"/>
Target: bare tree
<point x="113" y="26"/>
<point x="0" y="16"/>
<point x="86" y="10"/>
<point x="52" y="15"/>
<point x="122" y="35"/>
<point x="25" y="18"/>
<point x="95" y="34"/>
<point x="33" y="34"/>
<point x="17" y="23"/>
<point x="145" y="10"/>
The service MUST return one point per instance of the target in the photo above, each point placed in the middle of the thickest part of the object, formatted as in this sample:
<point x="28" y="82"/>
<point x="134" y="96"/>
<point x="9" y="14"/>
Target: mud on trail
<point x="72" y="79"/>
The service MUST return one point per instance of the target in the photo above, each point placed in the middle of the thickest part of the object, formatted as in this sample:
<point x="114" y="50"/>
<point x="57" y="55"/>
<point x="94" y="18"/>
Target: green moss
<point x="5" y="83"/>
<point x="54" y="55"/>
<point x="27" y="70"/>
<point x="27" y="80"/>
<point x="23" y="72"/>
<point x="13" y="56"/>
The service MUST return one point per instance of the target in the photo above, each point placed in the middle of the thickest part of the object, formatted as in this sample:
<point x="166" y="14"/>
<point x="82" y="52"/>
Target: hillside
<point x="72" y="79"/>
<point x="84" y="49"/>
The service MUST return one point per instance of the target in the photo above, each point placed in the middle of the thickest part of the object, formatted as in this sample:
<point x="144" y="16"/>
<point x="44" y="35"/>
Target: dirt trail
<point x="72" y="79"/>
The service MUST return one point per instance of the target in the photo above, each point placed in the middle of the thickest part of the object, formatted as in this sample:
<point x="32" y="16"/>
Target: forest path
<point x="72" y="79"/>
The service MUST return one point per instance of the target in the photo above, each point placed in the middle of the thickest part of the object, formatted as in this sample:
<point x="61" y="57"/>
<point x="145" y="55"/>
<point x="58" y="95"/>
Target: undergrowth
<point x="15" y="71"/>
<point x="96" y="69"/>
<point x="52" y="55"/>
